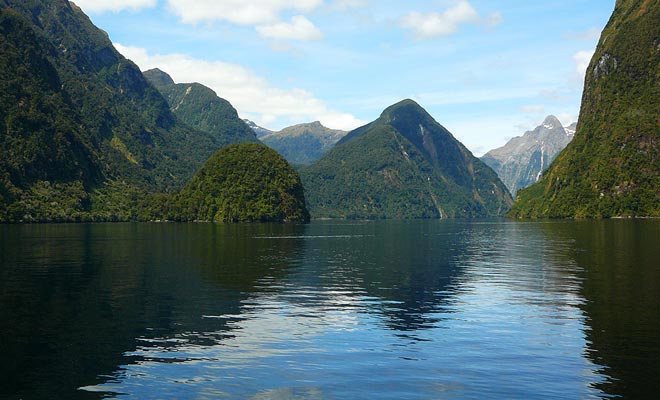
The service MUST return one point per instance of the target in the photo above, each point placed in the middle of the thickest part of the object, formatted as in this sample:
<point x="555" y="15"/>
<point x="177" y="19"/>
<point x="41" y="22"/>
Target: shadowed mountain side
<point x="77" y="326"/>
<point x="620" y="284"/>
<point x="84" y="133"/>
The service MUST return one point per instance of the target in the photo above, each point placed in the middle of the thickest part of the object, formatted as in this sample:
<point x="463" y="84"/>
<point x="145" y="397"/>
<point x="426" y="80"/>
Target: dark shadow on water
<point x="74" y="299"/>
<point x="620" y="273"/>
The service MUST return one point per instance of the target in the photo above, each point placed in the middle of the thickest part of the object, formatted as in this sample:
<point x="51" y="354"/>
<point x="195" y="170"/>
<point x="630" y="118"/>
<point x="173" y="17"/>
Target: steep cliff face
<point x="612" y="167"/>
<point x="522" y="161"/>
<point x="81" y="123"/>
<point x="403" y="165"/>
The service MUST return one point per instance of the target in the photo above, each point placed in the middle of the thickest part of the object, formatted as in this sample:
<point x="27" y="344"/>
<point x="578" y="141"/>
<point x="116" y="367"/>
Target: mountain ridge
<point x="303" y="143"/>
<point x="403" y="165"/>
<point x="258" y="130"/>
<point x="86" y="137"/>
<point x="201" y="108"/>
<point x="523" y="159"/>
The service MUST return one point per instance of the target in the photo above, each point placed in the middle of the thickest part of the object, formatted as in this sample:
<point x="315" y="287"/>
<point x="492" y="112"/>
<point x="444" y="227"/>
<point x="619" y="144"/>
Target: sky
<point x="487" y="70"/>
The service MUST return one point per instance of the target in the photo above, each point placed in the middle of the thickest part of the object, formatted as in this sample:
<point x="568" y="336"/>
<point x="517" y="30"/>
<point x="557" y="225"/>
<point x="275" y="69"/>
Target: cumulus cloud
<point x="99" y="6"/>
<point x="242" y="12"/>
<point x="253" y="96"/>
<point x="567" y="118"/>
<point x="429" y="25"/>
<point x="582" y="60"/>
<point x="300" y="28"/>
<point x="265" y="16"/>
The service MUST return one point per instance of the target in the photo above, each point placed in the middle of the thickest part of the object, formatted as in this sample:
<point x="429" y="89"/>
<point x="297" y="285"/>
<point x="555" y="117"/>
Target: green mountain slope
<point x="303" y="143"/>
<point x="201" y="108"/>
<point x="241" y="183"/>
<point x="404" y="165"/>
<point x="612" y="167"/>
<point x="83" y="134"/>
<point x="39" y="127"/>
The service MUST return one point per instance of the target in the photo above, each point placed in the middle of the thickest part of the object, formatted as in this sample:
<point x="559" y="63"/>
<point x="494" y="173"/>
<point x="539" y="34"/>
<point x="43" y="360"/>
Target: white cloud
<point x="567" y="118"/>
<point x="99" y="6"/>
<point x="582" y="60"/>
<point x="428" y="25"/>
<point x="444" y="24"/>
<point x="253" y="96"/>
<point x="241" y="12"/>
<point x="300" y="28"/>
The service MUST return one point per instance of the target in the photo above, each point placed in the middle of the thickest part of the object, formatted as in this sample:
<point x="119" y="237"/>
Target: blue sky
<point x="487" y="70"/>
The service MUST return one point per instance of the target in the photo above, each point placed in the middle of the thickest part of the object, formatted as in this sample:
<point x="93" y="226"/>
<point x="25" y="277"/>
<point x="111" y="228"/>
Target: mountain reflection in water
<point x="450" y="309"/>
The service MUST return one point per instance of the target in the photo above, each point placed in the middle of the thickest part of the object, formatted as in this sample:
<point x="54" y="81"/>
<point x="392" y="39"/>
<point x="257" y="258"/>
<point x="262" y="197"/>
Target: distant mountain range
<point x="86" y="136"/>
<point x="403" y="165"/>
<point x="522" y="161"/>
<point x="304" y="143"/>
<point x="612" y="166"/>
<point x="258" y="130"/>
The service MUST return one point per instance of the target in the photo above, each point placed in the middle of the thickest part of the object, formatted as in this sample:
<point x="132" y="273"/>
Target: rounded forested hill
<point x="242" y="183"/>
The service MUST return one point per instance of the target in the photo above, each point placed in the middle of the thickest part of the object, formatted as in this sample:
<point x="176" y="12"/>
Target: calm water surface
<point x="333" y="310"/>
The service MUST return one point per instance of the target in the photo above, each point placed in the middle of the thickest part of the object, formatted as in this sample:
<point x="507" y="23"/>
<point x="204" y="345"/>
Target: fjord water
<point x="331" y="310"/>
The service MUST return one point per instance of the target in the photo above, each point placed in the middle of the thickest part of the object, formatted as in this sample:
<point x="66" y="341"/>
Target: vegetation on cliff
<point x="612" y="167"/>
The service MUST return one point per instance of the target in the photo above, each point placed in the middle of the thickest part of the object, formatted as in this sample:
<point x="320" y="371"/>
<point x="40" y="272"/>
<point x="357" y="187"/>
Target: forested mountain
<point x="85" y="135"/>
<point x="522" y="161"/>
<point x="303" y="143"/>
<point x="612" y="167"/>
<point x="240" y="183"/>
<point x="403" y="165"/>
<point x="201" y="108"/>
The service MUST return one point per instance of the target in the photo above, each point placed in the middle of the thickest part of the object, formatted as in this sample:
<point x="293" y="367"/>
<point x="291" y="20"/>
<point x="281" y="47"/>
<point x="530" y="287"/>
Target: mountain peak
<point x="406" y="106"/>
<point x="308" y="125"/>
<point x="303" y="143"/>
<point x="260" y="131"/>
<point x="551" y="122"/>
<point x="158" y="78"/>
<point x="403" y="165"/>
<point x="522" y="161"/>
